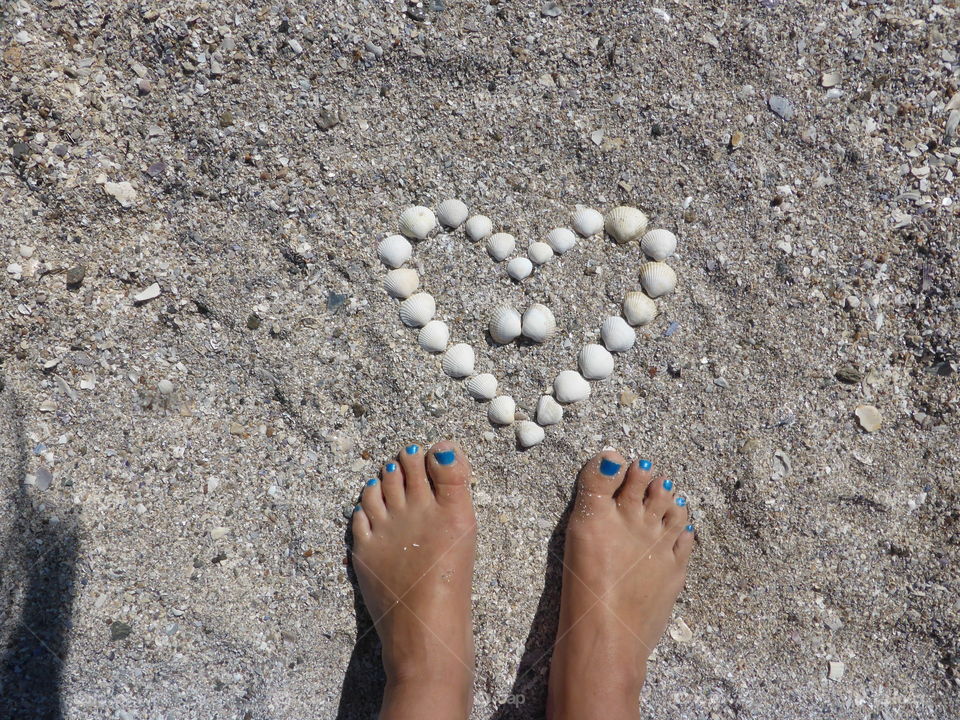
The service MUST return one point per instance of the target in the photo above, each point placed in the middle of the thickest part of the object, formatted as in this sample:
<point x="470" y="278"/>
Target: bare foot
<point x="627" y="546"/>
<point x="414" y="535"/>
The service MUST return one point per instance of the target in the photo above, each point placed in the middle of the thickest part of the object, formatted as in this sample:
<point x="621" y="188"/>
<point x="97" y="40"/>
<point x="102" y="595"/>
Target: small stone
<point x="219" y="533"/>
<point x="75" y="276"/>
<point x="836" y="670"/>
<point x="671" y="329"/>
<point x="147" y="294"/>
<point x="335" y="300"/>
<point x="144" y="86"/>
<point x="416" y="13"/>
<point x="295" y="46"/>
<point x="781" y="107"/>
<point x="848" y="374"/>
<point x="829" y="79"/>
<point x="253" y="322"/>
<point x="551" y="9"/>
<point x="869" y="417"/>
<point x="627" y="397"/>
<point x="327" y="118"/>
<point x="681" y="632"/>
<point x="782" y="465"/>
<point x="750" y="446"/>
<point x="43" y="478"/>
<point x="736" y="140"/>
<point x="226" y="119"/>
<point x="122" y="192"/>
<point x="833" y="622"/>
<point x="721" y="382"/>
<point x="165" y="387"/>
<point x="156" y="169"/>
<point x="236" y="429"/>
<point x="119" y="630"/>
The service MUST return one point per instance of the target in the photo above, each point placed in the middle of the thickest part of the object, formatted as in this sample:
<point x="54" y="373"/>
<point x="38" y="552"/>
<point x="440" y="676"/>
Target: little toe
<point x="391" y="478"/>
<point x="684" y="544"/>
<point x="659" y="497"/>
<point x="632" y="492"/>
<point x="676" y="515"/>
<point x="415" y="482"/>
<point x="372" y="501"/>
<point x="599" y="479"/>
<point x="449" y="471"/>
<point x="360" y="524"/>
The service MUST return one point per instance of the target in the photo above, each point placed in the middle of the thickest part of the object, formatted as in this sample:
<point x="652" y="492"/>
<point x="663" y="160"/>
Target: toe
<point x="391" y="478"/>
<point x="449" y="472"/>
<point x="659" y="497"/>
<point x="372" y="501"/>
<point x="675" y="517"/>
<point x="634" y="488"/>
<point x="416" y="485"/>
<point x="684" y="544"/>
<point x="360" y="524"/>
<point x="599" y="479"/>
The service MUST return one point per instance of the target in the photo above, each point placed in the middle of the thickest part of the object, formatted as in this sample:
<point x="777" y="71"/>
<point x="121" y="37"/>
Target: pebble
<point x="551" y="9"/>
<point x="721" y="382"/>
<point x="782" y="465"/>
<point x="869" y="417"/>
<point x="829" y="79"/>
<point x="836" y="670"/>
<point x="671" y="329"/>
<point x="627" y="397"/>
<point x="219" y="533"/>
<point x="119" y="630"/>
<point x="781" y="107"/>
<point x="681" y="632"/>
<point x="122" y="192"/>
<point x="848" y="374"/>
<point x="165" y="387"/>
<point x="43" y="478"/>
<point x="75" y="276"/>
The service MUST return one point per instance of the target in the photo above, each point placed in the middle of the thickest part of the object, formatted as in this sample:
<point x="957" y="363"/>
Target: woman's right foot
<point x="627" y="545"/>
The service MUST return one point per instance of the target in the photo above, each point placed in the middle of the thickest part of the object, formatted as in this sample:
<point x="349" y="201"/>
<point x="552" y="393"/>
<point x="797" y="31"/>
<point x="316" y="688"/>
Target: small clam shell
<point x="539" y="252"/>
<point x="570" y="387"/>
<point x="519" y="268"/>
<point x="658" y="244"/>
<point x="500" y="246"/>
<point x="657" y="278"/>
<point x="505" y="325"/>
<point x="418" y="309"/>
<point x="617" y="334"/>
<point x="458" y="361"/>
<point x="452" y="213"/>
<point x="402" y="283"/>
<point x="482" y="386"/>
<point x="561" y="239"/>
<point x="538" y="323"/>
<point x="624" y="224"/>
<point x="638" y="309"/>
<point x="417" y="222"/>
<point x="549" y="411"/>
<point x="394" y="251"/>
<point x="434" y="336"/>
<point x="595" y="362"/>
<point x="586" y="221"/>
<point x="501" y="410"/>
<point x="478" y="227"/>
<point x="528" y="433"/>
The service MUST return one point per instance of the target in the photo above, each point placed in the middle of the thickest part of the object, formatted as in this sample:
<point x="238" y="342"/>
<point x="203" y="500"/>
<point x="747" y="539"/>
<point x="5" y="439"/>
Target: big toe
<point x="449" y="472"/>
<point x="599" y="479"/>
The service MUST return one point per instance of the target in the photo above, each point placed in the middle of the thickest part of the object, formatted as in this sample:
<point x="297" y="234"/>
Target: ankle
<point x="439" y="697"/>
<point x="577" y="692"/>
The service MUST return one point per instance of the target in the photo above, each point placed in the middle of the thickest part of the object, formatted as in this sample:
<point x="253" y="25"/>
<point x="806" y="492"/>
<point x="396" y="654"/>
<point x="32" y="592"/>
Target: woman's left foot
<point x="414" y="537"/>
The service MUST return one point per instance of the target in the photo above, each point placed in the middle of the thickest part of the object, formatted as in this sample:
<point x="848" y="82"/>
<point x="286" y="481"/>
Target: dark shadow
<point x="37" y="575"/>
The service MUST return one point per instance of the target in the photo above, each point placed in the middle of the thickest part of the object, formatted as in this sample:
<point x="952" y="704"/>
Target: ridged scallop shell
<point x="539" y="252"/>
<point x="586" y="221"/>
<point x="434" y="336"/>
<point x="625" y="223"/>
<point x="417" y="222"/>
<point x="418" y="309"/>
<point x="505" y="325"/>
<point x="394" y="251"/>
<point x="458" y="361"/>
<point x="538" y="323"/>
<point x="402" y="283"/>
<point x="638" y="309"/>
<point x="549" y="411"/>
<point x="596" y="363"/>
<point x="478" y="227"/>
<point x="657" y="278"/>
<point x="570" y="387"/>
<point x="501" y="410"/>
<point x="452" y="213"/>
<point x="500" y="246"/>
<point x="658" y="244"/>
<point x="482" y="386"/>
<point x="519" y="268"/>
<point x="561" y="240"/>
<point x="617" y="334"/>
<point x="528" y="433"/>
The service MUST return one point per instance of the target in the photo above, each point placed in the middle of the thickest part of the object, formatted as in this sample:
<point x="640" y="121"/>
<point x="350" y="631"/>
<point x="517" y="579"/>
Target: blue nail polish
<point x="609" y="467"/>
<point x="681" y="501"/>
<point x="391" y="467"/>
<point x="645" y="464"/>
<point x="356" y="508"/>
<point x="668" y="484"/>
<point x="371" y="482"/>
<point x="446" y="457"/>
<point x="412" y="449"/>
<point x="689" y="528"/>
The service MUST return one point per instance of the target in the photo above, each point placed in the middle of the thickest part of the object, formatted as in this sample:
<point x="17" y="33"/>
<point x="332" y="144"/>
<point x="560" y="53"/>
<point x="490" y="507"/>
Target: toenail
<point x="446" y="457"/>
<point x="689" y="528"/>
<point x="371" y="481"/>
<point x="681" y="501"/>
<point x="412" y="449"/>
<point x="645" y="464"/>
<point x="356" y="508"/>
<point x="668" y="484"/>
<point x="391" y="467"/>
<point x="609" y="467"/>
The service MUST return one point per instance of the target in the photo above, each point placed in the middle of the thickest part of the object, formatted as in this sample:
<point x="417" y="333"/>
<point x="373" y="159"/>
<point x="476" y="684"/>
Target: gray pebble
<point x="781" y="107"/>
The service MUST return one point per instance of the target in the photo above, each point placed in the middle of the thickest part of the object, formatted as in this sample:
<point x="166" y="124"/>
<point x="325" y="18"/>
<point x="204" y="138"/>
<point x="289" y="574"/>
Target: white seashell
<point x="638" y="309"/>
<point x="570" y="387"/>
<point x="596" y="363"/>
<point x="452" y="213"/>
<point x="402" y="283"/>
<point x="617" y="334"/>
<point x="528" y="433"/>
<point x="561" y="239"/>
<point x="519" y="268"/>
<point x="501" y="410"/>
<point x="434" y="336"/>
<point x="539" y="252"/>
<point x="416" y="222"/>
<point x="549" y="411"/>
<point x="478" y="227"/>
<point x="587" y="221"/>
<point x="505" y="325"/>
<point x="417" y="310"/>
<point x="501" y="245"/>
<point x="624" y="224"/>
<point x="458" y="361"/>
<point x="658" y="244"/>
<point x="482" y="386"/>
<point x="394" y="251"/>
<point x="538" y="323"/>
<point x="657" y="278"/>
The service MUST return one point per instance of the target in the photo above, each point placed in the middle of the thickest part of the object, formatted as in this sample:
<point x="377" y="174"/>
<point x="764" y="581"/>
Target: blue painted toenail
<point x="609" y="467"/>
<point x="412" y="449"/>
<point x="668" y="484"/>
<point x="371" y="481"/>
<point x="391" y="467"/>
<point x="446" y="457"/>
<point x="645" y="464"/>
<point x="356" y="508"/>
<point x="689" y="528"/>
<point x="681" y="501"/>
